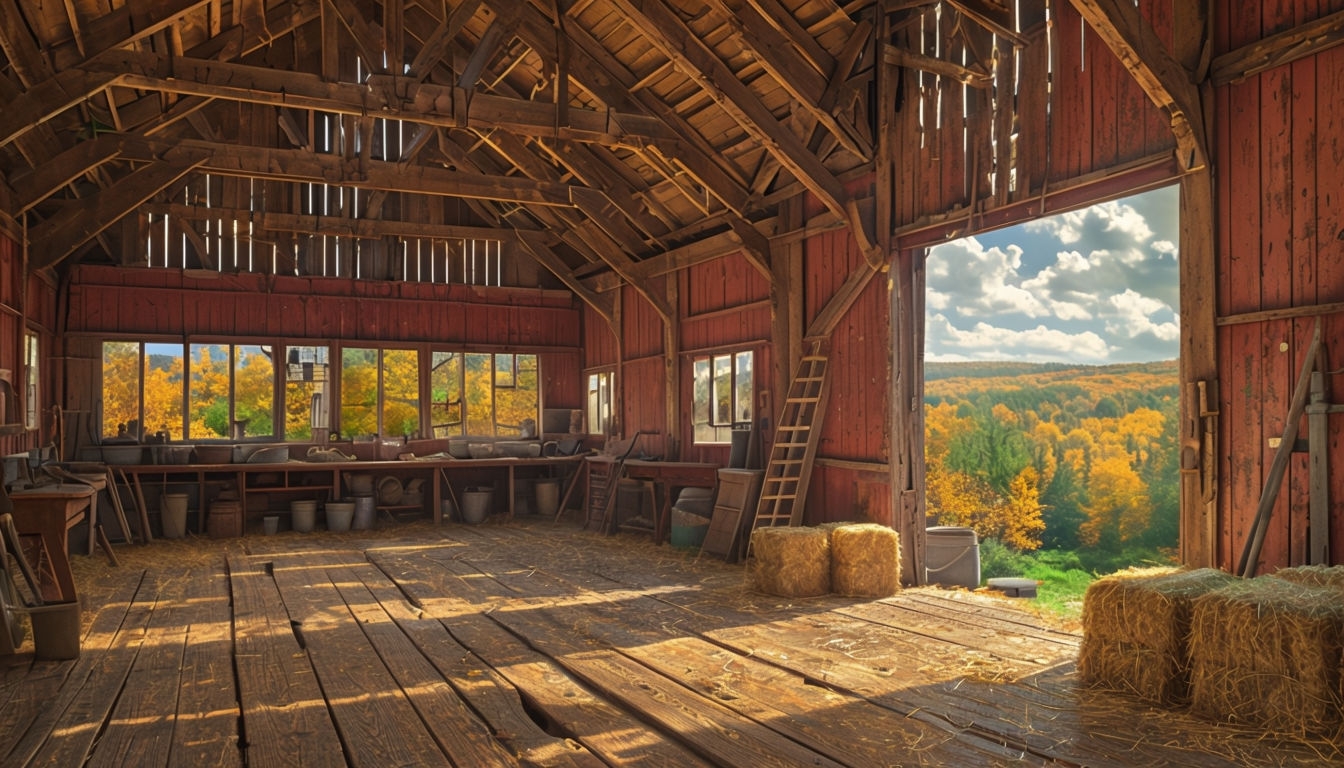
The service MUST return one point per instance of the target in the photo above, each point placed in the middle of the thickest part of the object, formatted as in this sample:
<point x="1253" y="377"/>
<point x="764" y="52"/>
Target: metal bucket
<point x="952" y="557"/>
<point x="365" y="509"/>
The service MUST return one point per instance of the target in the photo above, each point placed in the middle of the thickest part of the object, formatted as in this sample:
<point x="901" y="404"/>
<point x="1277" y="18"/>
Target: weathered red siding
<point x="26" y="305"/>
<point x="1279" y="143"/>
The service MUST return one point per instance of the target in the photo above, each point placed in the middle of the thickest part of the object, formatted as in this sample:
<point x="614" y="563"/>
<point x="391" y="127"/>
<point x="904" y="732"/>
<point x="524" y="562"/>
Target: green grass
<point x="1062" y="576"/>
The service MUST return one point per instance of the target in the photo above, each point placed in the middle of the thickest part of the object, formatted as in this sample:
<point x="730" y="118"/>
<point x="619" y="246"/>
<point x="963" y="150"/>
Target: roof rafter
<point x="44" y="100"/>
<point x="676" y="41"/>
<point x="58" y="237"/>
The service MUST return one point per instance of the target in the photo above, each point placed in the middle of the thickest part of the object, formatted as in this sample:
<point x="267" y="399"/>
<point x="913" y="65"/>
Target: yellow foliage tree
<point x="1020" y="523"/>
<point x="1119" y="507"/>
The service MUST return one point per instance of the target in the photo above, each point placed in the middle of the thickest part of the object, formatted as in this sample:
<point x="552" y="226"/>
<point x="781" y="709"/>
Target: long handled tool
<point x="1250" y="555"/>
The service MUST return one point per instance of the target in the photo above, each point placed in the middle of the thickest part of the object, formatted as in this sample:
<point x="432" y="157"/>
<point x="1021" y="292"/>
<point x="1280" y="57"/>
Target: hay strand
<point x="1313" y="575"/>
<point x="1135" y="626"/>
<point x="865" y="560"/>
<point x="791" y="562"/>
<point x="1266" y="652"/>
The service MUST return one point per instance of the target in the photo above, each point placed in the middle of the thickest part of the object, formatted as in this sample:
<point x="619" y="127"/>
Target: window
<point x="446" y="406"/>
<point x="164" y="367"/>
<point x="478" y="393"/>
<point x="599" y="402"/>
<point x="306" y="398"/>
<point x="380" y="392"/>
<point x="723" y="390"/>
<point x="121" y="388"/>
<point x="32" y="374"/>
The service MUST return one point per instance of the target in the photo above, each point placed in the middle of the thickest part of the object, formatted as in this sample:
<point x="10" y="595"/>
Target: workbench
<point x="327" y="480"/>
<point x="50" y="511"/>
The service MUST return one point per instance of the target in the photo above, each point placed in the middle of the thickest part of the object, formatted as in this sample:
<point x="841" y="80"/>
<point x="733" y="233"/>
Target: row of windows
<point x="212" y="391"/>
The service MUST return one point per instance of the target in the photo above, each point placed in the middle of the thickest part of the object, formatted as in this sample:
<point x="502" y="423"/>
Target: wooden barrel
<point x="225" y="520"/>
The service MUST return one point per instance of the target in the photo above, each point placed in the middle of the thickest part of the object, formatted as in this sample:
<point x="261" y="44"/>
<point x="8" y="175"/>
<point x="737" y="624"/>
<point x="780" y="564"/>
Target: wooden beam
<point x="132" y="22"/>
<point x="666" y="30"/>
<point x="755" y="245"/>
<point x="1278" y="49"/>
<point x="368" y="38"/>
<point x="25" y="56"/>
<point x="34" y="186"/>
<point x="995" y="17"/>
<point x="535" y="244"/>
<point x="389" y="96"/>
<point x="330" y="225"/>
<point x="772" y="49"/>
<point x="58" y="237"/>
<point x="297" y="165"/>
<point x="1166" y="82"/>
<point x="605" y="75"/>
<point x="432" y="50"/>
<point x="972" y="76"/>
<point x="73" y="85"/>
<point x="480" y="56"/>
<point x="834" y="311"/>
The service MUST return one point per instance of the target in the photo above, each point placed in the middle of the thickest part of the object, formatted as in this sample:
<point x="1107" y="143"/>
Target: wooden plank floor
<point x="539" y="644"/>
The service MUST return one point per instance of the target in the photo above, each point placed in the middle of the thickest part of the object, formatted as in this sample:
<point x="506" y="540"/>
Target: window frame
<point x="600" y="422"/>
<point x="708" y="424"/>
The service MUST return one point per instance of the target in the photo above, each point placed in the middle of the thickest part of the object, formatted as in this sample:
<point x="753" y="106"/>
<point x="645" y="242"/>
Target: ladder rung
<point x="793" y="427"/>
<point x="809" y="399"/>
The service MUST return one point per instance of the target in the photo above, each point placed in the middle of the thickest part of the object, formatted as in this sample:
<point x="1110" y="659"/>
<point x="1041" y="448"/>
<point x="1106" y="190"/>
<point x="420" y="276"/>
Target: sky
<point x="1093" y="287"/>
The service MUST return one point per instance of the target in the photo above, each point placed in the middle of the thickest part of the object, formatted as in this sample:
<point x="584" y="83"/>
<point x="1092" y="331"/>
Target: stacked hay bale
<point x="1267" y="653"/>
<point x="791" y="562"/>
<point x="865" y="560"/>
<point x="1135" y="626"/>
<point x="1313" y="575"/>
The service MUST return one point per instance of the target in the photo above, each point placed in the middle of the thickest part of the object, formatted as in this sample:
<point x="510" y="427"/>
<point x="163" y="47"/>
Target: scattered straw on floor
<point x="791" y="562"/>
<point x="1135" y="626"/>
<point x="865" y="560"/>
<point x="1266" y="653"/>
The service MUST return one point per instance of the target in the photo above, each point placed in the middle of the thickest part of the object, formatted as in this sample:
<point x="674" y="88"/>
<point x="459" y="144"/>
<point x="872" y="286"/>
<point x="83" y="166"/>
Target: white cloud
<point x="1132" y="316"/>
<point x="1096" y="285"/>
<point x="986" y="342"/>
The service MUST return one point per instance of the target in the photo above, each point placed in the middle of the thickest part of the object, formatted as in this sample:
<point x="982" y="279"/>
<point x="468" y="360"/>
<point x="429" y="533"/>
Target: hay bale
<point x="1313" y="575"/>
<point x="791" y="562"/>
<point x="1266" y="652"/>
<point x="865" y="560"/>
<point x="1135" y="626"/>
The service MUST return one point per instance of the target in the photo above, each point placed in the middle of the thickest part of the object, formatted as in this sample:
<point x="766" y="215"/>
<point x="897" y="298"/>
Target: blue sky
<point x="1094" y="287"/>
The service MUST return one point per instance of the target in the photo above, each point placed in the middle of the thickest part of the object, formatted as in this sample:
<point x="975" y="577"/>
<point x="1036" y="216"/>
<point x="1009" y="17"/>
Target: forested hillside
<point x="1053" y="456"/>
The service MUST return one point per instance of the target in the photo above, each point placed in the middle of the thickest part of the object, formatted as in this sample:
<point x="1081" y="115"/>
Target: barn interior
<point x="591" y="255"/>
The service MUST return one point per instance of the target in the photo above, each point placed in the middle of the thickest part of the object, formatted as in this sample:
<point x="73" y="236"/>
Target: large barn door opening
<point x="1052" y="389"/>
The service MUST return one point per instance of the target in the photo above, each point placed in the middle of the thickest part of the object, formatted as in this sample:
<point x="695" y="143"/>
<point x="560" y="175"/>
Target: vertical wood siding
<point x="1279" y="148"/>
<point x="35" y="299"/>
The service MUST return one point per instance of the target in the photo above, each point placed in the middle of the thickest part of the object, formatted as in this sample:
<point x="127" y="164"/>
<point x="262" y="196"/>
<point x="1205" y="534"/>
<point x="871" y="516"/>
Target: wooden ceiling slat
<point x="677" y="42"/>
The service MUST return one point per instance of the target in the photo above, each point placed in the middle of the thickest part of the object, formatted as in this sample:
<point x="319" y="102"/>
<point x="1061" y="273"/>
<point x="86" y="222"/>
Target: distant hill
<point x="983" y="369"/>
<point x="1076" y="390"/>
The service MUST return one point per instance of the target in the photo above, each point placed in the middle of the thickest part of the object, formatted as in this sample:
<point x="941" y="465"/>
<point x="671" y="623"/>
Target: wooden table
<point x="666" y="476"/>
<point x="51" y="511"/>
<point x="325" y="478"/>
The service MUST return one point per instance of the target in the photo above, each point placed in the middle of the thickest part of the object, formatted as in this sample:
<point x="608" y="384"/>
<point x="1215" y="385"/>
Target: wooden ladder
<point x="789" y="469"/>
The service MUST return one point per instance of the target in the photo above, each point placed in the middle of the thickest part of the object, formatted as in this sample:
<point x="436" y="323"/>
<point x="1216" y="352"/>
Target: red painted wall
<point x="1279" y="139"/>
<point x="25" y="306"/>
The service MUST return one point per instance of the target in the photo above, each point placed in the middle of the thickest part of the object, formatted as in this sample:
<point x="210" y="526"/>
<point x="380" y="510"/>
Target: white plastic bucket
<point x="952" y="557"/>
<point x="303" y="515"/>
<point x="547" y="492"/>
<point x="476" y="503"/>
<point x="339" y="515"/>
<point x="174" y="514"/>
